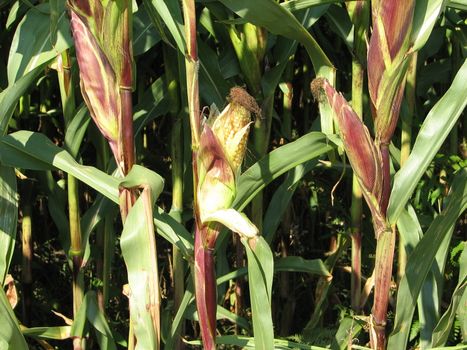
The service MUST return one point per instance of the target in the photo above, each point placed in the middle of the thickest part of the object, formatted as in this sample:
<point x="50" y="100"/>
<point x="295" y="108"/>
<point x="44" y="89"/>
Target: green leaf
<point x="296" y="5"/>
<point x="29" y="150"/>
<point x="154" y="102"/>
<point x="10" y="334"/>
<point x="341" y="24"/>
<point x="32" y="42"/>
<point x="289" y="264"/>
<point x="138" y="248"/>
<point x="140" y="177"/>
<point x="174" y="232"/>
<point x="221" y="314"/>
<point x="234" y="221"/>
<point x="8" y="218"/>
<point x="428" y="300"/>
<point x="458" y="4"/>
<point x="276" y="163"/>
<point x="436" y="127"/>
<point x="10" y="96"/>
<point x="59" y="332"/>
<point x="89" y="310"/>
<point x="421" y="259"/>
<point x="145" y="35"/>
<point x="281" y="199"/>
<point x="101" y="208"/>
<point x="250" y="343"/>
<point x="347" y="332"/>
<point x="443" y="328"/>
<point x="426" y="14"/>
<point x="76" y="130"/>
<point x="169" y="12"/>
<point x="285" y="48"/>
<point x="268" y="13"/>
<point x="260" y="276"/>
<point x="181" y="315"/>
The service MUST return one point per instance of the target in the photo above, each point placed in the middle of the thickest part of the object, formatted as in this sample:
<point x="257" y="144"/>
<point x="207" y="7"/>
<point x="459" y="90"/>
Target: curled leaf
<point x="234" y="221"/>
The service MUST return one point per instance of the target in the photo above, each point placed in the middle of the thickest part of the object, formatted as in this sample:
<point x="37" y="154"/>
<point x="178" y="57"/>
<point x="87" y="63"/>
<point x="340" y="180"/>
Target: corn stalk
<point x="359" y="13"/>
<point x="102" y="31"/>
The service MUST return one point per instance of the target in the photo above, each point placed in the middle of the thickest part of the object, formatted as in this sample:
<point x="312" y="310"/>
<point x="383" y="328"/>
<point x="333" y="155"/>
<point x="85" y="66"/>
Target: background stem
<point x="356" y="206"/>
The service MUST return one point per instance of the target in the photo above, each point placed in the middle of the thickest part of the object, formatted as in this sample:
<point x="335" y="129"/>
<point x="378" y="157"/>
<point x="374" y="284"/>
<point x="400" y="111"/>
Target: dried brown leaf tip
<point x="317" y="89"/>
<point x="239" y="96"/>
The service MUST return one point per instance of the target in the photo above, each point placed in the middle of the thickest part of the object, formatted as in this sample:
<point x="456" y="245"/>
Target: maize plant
<point x="168" y="181"/>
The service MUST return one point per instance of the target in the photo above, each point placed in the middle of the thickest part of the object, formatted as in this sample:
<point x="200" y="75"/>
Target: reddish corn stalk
<point x="388" y="58"/>
<point x="221" y="151"/>
<point x="387" y="64"/>
<point x="102" y="35"/>
<point x="367" y="162"/>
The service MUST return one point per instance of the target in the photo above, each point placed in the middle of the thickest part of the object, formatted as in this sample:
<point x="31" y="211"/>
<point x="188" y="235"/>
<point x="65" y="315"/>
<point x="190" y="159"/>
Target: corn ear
<point x="365" y="158"/>
<point x="388" y="53"/>
<point x="98" y="82"/>
<point x="102" y="35"/>
<point x="216" y="187"/>
<point x="222" y="148"/>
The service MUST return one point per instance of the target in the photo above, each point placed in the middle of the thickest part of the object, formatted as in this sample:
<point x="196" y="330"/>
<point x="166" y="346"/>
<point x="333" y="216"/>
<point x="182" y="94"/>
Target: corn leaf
<point x="347" y="332"/>
<point x="296" y="5"/>
<point x="10" y="96"/>
<point x="288" y="263"/>
<point x="8" y="218"/>
<point x="28" y="150"/>
<point x="443" y="328"/>
<point x="76" y="130"/>
<point x="428" y="300"/>
<point x="267" y="13"/>
<point x="436" y="127"/>
<point x="139" y="251"/>
<point x="32" y="42"/>
<point x="10" y="334"/>
<point x="180" y="316"/>
<point x="89" y="310"/>
<point x="145" y="35"/>
<point x="31" y="150"/>
<point x="425" y="16"/>
<point x="281" y="199"/>
<point x="58" y="332"/>
<point x="421" y="259"/>
<point x="169" y="12"/>
<point x="260" y="276"/>
<point x="276" y="163"/>
<point x="250" y="343"/>
<point x="221" y="314"/>
<point x="285" y="48"/>
<point x="458" y="4"/>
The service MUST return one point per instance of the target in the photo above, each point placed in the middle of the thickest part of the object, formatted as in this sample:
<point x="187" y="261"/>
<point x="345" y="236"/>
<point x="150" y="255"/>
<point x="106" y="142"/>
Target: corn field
<point x="233" y="174"/>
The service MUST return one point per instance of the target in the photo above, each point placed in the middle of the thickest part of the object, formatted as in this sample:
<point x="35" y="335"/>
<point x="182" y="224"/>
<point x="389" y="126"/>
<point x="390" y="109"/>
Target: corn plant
<point x="327" y="136"/>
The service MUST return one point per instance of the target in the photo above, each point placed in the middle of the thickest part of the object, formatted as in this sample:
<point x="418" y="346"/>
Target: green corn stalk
<point x="76" y="251"/>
